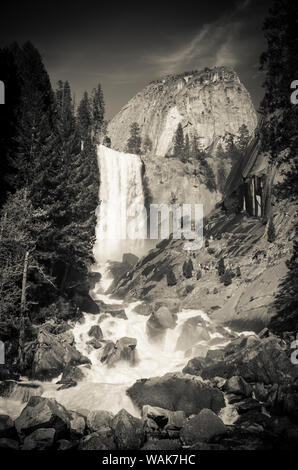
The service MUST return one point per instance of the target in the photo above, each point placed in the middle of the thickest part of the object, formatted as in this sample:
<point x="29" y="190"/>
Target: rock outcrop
<point x="209" y="104"/>
<point x="176" y="391"/>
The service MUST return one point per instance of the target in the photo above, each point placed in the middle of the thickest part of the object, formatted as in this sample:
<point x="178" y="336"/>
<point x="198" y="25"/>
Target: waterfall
<point x="120" y="225"/>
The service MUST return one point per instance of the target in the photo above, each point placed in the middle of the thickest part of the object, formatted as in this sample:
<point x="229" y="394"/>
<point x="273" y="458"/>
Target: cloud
<point x="213" y="45"/>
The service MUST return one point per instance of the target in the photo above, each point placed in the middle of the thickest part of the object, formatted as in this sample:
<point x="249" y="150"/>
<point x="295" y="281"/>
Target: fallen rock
<point x="193" y="331"/>
<point x="52" y="356"/>
<point x="98" y="419"/>
<point x="129" y="433"/>
<point x="95" y="332"/>
<point x="43" y="412"/>
<point x="163" y="418"/>
<point x="70" y="374"/>
<point x="254" y="359"/>
<point x="77" y="424"/>
<point x="238" y="386"/>
<point x="64" y="444"/>
<point x="103" y="439"/>
<point x="202" y="427"/>
<point x="176" y="391"/>
<point x="8" y="444"/>
<point x="40" y="439"/>
<point x="123" y="350"/>
<point x="162" y="444"/>
<point x="7" y="428"/>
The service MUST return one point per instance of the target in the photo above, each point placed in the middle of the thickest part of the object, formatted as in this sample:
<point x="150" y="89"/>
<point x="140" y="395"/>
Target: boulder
<point x="71" y="374"/>
<point x="40" y="439"/>
<point x="202" y="427"/>
<point x="193" y="331"/>
<point x="95" y="332"/>
<point x="162" y="444"/>
<point x="65" y="444"/>
<point x="77" y="424"/>
<point x="123" y="350"/>
<point x="254" y="359"/>
<point x="238" y="386"/>
<point x="8" y="444"/>
<point x="248" y="405"/>
<point x="7" y="428"/>
<point x="43" y="412"/>
<point x="158" y="322"/>
<point x="95" y="343"/>
<point x="103" y="439"/>
<point x="176" y="391"/>
<point x="143" y="309"/>
<point x="163" y="418"/>
<point x="52" y="356"/>
<point x="98" y="419"/>
<point x="129" y="433"/>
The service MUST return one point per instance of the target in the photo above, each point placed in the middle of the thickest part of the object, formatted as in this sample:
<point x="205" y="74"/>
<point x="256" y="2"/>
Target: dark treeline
<point x="49" y="191"/>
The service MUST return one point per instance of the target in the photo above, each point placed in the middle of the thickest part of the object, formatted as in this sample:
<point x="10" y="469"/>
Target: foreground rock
<point x="43" y="413"/>
<point x="202" y="427"/>
<point x="41" y="439"/>
<point x="103" y="439"/>
<point x="7" y="428"/>
<point x="129" y="433"/>
<point x="98" y="419"/>
<point x="176" y="391"/>
<point x="52" y="355"/>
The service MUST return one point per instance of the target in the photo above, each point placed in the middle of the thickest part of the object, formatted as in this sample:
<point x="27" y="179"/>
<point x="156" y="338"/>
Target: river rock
<point x="176" y="391"/>
<point x="193" y="330"/>
<point x="98" y="419"/>
<point x="163" y="418"/>
<point x="123" y="350"/>
<point x="43" y="412"/>
<point x="254" y="359"/>
<point x="52" y="355"/>
<point x="162" y="444"/>
<point x="40" y="439"/>
<point x="129" y="433"/>
<point x="103" y="439"/>
<point x="8" y="444"/>
<point x="71" y="373"/>
<point x="77" y="424"/>
<point x="95" y="332"/>
<point x="238" y="386"/>
<point x="202" y="427"/>
<point x="7" y="428"/>
<point x="158" y="322"/>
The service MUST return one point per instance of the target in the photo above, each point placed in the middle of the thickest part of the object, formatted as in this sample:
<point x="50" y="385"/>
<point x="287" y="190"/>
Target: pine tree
<point x="97" y="112"/>
<point x="242" y="138"/>
<point x="179" y="142"/>
<point x="134" y="142"/>
<point x="84" y="118"/>
<point x="280" y="63"/>
<point x="286" y="302"/>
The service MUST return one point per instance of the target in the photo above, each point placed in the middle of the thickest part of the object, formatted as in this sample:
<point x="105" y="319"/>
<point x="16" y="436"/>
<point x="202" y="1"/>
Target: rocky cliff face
<point x="209" y="104"/>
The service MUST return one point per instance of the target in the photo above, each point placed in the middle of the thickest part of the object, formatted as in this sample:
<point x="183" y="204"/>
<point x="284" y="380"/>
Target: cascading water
<point x="105" y="387"/>
<point x="121" y="225"/>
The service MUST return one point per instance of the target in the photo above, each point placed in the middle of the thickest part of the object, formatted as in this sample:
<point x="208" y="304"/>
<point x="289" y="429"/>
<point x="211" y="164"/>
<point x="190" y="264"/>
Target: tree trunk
<point x="23" y="308"/>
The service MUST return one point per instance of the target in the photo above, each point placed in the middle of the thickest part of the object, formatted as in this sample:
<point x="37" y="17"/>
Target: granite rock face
<point x="209" y="104"/>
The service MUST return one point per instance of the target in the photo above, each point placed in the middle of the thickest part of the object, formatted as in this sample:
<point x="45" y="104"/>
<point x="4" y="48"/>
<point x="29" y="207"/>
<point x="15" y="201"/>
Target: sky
<point x="125" y="47"/>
